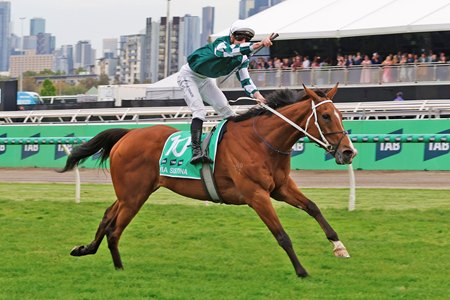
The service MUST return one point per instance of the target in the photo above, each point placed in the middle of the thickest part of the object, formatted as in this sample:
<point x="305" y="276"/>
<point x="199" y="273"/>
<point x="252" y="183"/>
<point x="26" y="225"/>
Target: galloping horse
<point x="252" y="165"/>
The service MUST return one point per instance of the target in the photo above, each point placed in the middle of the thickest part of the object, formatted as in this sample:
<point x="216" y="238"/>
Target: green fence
<point x="401" y="153"/>
<point x="392" y="155"/>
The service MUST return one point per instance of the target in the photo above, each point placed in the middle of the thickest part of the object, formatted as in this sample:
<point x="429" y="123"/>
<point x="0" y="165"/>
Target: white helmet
<point x="241" y="26"/>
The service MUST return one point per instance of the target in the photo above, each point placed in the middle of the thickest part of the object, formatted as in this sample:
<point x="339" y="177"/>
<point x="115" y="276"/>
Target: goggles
<point x="243" y="35"/>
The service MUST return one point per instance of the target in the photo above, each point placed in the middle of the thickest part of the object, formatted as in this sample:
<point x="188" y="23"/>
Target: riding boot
<point x="196" y="146"/>
<point x="196" y="135"/>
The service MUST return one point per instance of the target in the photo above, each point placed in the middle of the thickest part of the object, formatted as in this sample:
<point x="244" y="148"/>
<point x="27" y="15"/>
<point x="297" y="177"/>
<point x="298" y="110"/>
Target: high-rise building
<point x="248" y="8"/>
<point x="64" y="59"/>
<point x="131" y="59"/>
<point x="29" y="42"/>
<point x="152" y="30"/>
<point x="5" y="32"/>
<point x="31" y="61"/>
<point x="84" y="56"/>
<point x="207" y="24"/>
<point x="175" y="47"/>
<point x="191" y="35"/>
<point x="260" y="5"/>
<point x="110" y="47"/>
<point x="37" y="25"/>
<point x="244" y="7"/>
<point x="45" y="43"/>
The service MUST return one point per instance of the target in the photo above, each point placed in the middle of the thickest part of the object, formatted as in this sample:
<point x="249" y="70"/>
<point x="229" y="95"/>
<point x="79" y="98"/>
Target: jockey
<point x="225" y="55"/>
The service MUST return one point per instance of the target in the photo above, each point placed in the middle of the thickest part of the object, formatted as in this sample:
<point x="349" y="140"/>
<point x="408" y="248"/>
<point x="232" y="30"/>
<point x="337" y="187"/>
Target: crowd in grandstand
<point x="305" y="62"/>
<point x="363" y="61"/>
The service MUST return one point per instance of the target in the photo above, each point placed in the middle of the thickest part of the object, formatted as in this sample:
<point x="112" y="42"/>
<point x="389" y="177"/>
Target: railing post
<point x="77" y="177"/>
<point x="352" y="194"/>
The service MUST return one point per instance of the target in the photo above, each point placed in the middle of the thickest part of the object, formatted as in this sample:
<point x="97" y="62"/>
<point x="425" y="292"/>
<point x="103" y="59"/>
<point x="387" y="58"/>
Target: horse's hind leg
<point x="92" y="248"/>
<point x="290" y="194"/>
<point x="126" y="212"/>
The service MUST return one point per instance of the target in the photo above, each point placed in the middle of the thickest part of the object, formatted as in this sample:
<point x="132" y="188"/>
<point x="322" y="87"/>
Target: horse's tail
<point x="103" y="142"/>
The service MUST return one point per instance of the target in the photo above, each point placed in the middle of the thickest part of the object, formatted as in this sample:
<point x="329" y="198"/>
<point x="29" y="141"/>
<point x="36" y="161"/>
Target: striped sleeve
<point x="246" y="82"/>
<point x="226" y="50"/>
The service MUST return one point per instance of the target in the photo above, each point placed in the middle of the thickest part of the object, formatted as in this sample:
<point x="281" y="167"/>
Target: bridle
<point x="323" y="142"/>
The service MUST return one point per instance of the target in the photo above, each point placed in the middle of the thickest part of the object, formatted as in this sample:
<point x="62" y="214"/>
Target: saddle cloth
<point x="176" y="155"/>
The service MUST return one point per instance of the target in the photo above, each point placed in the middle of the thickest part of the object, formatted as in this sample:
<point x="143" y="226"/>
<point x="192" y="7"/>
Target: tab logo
<point x="385" y="150"/>
<point x="30" y="149"/>
<point x="433" y="150"/>
<point x="298" y="149"/>
<point x="3" y="147"/>
<point x="59" y="149"/>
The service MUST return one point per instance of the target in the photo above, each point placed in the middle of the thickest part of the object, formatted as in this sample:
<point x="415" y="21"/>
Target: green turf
<point x="185" y="249"/>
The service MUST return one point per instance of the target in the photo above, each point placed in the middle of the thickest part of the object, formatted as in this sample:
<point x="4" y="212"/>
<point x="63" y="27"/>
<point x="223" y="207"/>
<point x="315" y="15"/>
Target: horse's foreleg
<point x="92" y="248"/>
<point x="290" y="194"/>
<point x="268" y="215"/>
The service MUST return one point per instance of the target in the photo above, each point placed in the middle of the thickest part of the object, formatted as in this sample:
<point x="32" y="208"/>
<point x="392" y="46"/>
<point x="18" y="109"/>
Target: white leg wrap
<point x="339" y="249"/>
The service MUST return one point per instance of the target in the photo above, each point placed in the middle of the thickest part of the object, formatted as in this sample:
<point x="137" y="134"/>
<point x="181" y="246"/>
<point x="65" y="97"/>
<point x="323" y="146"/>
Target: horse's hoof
<point x="77" y="251"/>
<point x="302" y="274"/>
<point x="341" y="252"/>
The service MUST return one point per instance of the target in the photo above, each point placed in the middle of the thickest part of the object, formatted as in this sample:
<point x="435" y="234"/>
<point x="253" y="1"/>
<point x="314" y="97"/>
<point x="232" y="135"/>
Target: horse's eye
<point x="326" y="117"/>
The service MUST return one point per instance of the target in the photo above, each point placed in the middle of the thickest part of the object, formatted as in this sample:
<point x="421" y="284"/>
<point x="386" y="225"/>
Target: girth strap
<point x="206" y="172"/>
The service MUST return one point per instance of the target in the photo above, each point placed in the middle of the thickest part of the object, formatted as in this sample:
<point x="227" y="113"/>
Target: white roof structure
<point x="166" y="88"/>
<point x="294" y="19"/>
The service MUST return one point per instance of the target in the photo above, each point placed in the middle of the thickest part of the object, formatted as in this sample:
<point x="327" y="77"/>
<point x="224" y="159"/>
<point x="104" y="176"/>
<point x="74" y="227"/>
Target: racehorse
<point x="252" y="165"/>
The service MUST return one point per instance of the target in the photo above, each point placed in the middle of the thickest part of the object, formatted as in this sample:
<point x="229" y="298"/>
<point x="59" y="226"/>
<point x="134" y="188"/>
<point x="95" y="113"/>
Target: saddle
<point x="176" y="154"/>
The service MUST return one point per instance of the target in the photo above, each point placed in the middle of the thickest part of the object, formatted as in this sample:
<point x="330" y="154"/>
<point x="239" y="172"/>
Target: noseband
<point x="333" y="148"/>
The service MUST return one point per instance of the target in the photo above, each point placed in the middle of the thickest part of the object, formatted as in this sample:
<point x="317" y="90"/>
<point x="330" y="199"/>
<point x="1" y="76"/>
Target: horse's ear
<point x="310" y="93"/>
<point x="332" y="92"/>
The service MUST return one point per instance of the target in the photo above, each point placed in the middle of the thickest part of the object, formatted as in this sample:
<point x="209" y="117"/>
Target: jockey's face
<point x="240" y="37"/>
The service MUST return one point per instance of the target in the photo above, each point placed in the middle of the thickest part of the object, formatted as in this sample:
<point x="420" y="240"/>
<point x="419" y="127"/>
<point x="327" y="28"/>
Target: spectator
<point x="316" y="62"/>
<point x="442" y="58"/>
<point x="357" y="59"/>
<point x="277" y="63"/>
<point x="376" y="59"/>
<point x="340" y="61"/>
<point x="387" y="68"/>
<point x="306" y="62"/>
<point x="297" y="63"/>
<point x="270" y="64"/>
<point x="399" y="96"/>
<point x="348" y="60"/>
<point x="365" y="72"/>
<point x="403" y="74"/>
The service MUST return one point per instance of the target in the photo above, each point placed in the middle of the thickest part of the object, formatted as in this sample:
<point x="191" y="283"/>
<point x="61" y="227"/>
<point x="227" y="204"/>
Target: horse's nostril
<point x="347" y="153"/>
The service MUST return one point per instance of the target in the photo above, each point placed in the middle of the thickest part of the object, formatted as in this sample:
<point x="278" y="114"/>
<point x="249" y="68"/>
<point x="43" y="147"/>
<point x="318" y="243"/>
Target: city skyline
<point x="106" y="19"/>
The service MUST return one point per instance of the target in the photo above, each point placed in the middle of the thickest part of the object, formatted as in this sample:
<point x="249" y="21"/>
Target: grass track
<point x="187" y="250"/>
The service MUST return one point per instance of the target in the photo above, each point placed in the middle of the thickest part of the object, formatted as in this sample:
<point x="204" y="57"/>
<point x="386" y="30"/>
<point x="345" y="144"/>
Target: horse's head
<point x="325" y="125"/>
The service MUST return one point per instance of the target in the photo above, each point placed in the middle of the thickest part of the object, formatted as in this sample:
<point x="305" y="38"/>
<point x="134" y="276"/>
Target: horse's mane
<point x="276" y="100"/>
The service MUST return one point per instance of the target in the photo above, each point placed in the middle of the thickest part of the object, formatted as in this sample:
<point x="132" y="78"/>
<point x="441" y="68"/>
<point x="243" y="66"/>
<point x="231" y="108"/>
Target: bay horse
<point x="252" y="165"/>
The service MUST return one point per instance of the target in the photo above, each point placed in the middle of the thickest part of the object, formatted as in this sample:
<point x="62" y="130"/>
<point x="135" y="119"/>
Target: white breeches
<point x="198" y="89"/>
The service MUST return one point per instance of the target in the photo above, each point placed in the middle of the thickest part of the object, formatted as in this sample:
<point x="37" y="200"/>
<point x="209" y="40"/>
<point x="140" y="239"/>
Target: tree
<point x="103" y="80"/>
<point x="29" y="84"/>
<point x="48" y="89"/>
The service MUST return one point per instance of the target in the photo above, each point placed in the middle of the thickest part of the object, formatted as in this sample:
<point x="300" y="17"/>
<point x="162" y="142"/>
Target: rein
<point x="324" y="142"/>
<point x="267" y="143"/>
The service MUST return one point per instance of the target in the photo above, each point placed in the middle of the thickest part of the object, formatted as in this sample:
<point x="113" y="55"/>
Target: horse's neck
<point x="280" y="133"/>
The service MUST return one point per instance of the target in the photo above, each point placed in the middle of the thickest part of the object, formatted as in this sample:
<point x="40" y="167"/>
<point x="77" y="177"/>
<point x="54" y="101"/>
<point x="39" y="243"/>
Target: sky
<point x="74" y="20"/>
